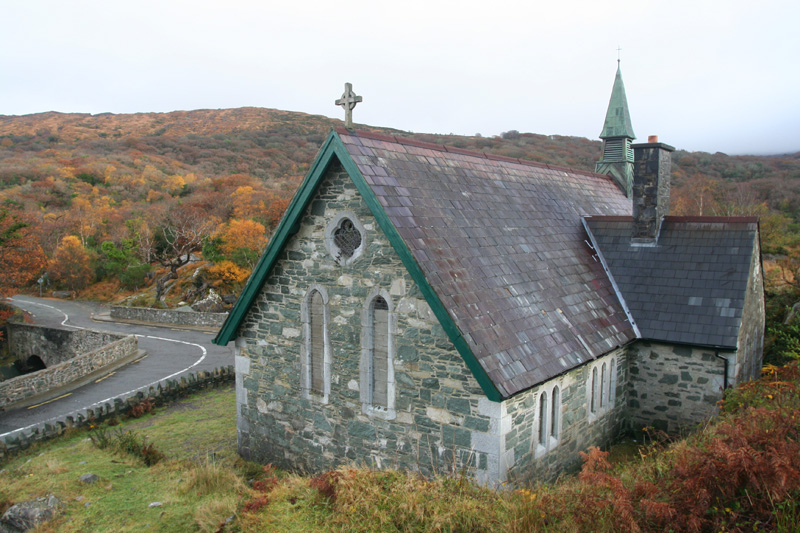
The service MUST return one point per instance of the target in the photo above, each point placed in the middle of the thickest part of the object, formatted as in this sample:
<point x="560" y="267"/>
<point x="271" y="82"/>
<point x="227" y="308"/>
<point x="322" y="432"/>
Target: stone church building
<point x="434" y="309"/>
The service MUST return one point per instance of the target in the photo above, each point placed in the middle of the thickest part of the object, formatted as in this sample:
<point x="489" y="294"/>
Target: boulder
<point x="31" y="514"/>
<point x="210" y="304"/>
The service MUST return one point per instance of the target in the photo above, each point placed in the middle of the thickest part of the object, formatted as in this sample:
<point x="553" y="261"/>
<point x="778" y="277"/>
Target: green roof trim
<point x="334" y="147"/>
<point x="618" y="118"/>
<point x="286" y="228"/>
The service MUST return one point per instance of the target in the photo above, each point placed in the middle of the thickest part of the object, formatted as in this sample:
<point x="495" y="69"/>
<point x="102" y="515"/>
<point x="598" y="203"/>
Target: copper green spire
<point x="618" y="119"/>
<point x="617" y="159"/>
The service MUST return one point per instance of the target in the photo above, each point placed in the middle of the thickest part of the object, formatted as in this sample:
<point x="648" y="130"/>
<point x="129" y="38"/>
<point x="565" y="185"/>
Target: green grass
<point x="201" y="483"/>
<point x="188" y="433"/>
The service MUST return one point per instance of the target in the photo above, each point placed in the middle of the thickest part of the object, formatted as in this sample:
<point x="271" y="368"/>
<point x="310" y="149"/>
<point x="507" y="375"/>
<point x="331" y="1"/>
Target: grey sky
<point x="704" y="75"/>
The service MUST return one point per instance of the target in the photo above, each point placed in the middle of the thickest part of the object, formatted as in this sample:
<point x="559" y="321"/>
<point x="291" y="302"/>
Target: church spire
<point x="618" y="118"/>
<point x="617" y="134"/>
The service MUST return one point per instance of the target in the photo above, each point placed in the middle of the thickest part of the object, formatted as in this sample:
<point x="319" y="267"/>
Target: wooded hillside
<point x="112" y="196"/>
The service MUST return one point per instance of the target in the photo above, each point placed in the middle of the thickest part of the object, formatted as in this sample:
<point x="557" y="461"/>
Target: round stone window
<point x="344" y="238"/>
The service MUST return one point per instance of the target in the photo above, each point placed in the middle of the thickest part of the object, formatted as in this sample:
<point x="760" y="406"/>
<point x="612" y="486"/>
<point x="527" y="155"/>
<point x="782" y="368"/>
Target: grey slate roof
<point x="502" y="244"/>
<point x="690" y="288"/>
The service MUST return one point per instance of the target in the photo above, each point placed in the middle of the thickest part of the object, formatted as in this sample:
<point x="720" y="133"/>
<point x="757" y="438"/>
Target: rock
<point x="229" y="299"/>
<point x="211" y="303"/>
<point x="89" y="478"/>
<point x="28" y="515"/>
<point x="63" y="294"/>
<point x="155" y="504"/>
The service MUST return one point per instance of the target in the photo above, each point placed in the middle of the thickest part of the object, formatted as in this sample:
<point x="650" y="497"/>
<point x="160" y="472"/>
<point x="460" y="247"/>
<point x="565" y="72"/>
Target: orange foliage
<point x="276" y="209"/>
<point x="21" y="257"/>
<point x="71" y="264"/>
<point x="243" y="234"/>
<point x="228" y="273"/>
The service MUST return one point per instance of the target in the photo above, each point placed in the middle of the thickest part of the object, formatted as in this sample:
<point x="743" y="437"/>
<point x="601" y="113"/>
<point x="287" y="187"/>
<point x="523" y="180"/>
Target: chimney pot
<point x="652" y="138"/>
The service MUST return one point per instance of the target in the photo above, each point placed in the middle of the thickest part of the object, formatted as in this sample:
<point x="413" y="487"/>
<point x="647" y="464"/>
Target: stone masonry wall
<point x="579" y="428"/>
<point x="54" y="345"/>
<point x="168" y="316"/>
<point x="750" y="355"/>
<point x="440" y="412"/>
<point x="161" y="394"/>
<point x="671" y="386"/>
<point x="27" y="386"/>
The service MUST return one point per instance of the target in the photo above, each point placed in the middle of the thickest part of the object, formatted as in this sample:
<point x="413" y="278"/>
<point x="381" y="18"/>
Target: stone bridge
<point x="61" y="358"/>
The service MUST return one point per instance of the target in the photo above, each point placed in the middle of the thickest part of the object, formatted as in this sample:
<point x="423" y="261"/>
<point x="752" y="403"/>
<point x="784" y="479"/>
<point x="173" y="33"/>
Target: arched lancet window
<point x="547" y="426"/>
<point x="612" y="379"/>
<point x="317" y="343"/>
<point x="379" y="375"/>
<point x="377" y="356"/>
<point x="555" y="420"/>
<point x="603" y="387"/>
<point x="315" y="356"/>
<point x="543" y="419"/>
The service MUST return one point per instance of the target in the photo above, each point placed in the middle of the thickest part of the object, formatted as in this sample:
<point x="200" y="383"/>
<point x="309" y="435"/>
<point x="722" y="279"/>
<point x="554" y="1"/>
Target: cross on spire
<point x="618" y="53"/>
<point x="348" y="101"/>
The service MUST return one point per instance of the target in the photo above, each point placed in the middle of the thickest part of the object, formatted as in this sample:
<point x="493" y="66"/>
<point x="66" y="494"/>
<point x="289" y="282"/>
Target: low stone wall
<point x="27" y="386"/>
<point x="168" y="316"/>
<point x="161" y="394"/>
<point x="54" y="345"/>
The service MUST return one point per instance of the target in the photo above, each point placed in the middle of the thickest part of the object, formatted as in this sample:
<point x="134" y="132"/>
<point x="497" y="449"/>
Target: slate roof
<point x="501" y="243"/>
<point x="690" y="287"/>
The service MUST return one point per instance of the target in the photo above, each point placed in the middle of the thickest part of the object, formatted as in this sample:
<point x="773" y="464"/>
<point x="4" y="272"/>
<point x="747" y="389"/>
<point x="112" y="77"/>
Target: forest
<point x="124" y="201"/>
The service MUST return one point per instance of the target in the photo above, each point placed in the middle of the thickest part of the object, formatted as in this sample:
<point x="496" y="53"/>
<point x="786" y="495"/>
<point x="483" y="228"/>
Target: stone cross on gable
<point x="348" y="101"/>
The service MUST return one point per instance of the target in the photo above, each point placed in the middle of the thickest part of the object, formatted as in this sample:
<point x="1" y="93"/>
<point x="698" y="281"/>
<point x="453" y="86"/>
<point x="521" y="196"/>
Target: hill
<point x="112" y="197"/>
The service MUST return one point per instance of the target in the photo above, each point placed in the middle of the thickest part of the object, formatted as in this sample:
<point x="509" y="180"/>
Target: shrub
<point x="142" y="408"/>
<point x="127" y="442"/>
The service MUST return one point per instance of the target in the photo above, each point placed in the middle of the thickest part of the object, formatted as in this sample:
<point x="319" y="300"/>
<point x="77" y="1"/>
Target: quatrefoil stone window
<point x="347" y="238"/>
<point x="344" y="238"/>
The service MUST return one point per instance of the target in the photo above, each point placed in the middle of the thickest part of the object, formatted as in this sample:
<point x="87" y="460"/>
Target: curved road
<point x="171" y="353"/>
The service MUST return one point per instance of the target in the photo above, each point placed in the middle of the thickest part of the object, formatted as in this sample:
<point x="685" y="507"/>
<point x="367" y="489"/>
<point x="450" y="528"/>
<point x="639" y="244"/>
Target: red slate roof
<point x="502" y="244"/>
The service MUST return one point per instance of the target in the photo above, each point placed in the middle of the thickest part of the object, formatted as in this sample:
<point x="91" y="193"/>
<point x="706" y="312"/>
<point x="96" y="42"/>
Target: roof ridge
<point x="681" y="218"/>
<point x="461" y="151"/>
<point x="709" y="218"/>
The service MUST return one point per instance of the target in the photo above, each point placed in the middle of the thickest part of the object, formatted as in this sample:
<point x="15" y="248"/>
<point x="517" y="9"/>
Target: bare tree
<point x="179" y="234"/>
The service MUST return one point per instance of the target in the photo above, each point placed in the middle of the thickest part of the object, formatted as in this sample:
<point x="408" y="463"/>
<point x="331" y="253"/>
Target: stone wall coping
<point x="161" y="393"/>
<point x="168" y="316"/>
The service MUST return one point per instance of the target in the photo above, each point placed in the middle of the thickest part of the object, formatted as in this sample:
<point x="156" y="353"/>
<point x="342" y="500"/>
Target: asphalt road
<point x="171" y="353"/>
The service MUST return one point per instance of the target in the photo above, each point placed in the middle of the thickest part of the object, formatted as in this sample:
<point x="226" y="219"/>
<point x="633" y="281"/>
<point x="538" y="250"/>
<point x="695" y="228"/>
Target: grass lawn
<point x="740" y="472"/>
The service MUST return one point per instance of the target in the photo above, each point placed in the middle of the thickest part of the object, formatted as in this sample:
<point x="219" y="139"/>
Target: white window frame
<point x="601" y="387"/>
<point x="386" y="412"/>
<point x="305" y="355"/>
<point x="551" y="422"/>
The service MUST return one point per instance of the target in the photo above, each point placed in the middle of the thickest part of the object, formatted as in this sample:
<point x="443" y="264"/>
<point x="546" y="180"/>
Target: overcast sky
<point x="708" y="75"/>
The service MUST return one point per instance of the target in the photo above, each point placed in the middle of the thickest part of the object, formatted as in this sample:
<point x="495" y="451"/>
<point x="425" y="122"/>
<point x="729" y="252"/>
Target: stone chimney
<point x="651" y="176"/>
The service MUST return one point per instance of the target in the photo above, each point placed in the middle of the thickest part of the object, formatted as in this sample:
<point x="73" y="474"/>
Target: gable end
<point x="334" y="148"/>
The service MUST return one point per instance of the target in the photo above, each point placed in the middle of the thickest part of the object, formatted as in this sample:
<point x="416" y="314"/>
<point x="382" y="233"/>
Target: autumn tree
<point x="179" y="234"/>
<point x="243" y="242"/>
<point x="21" y="257"/>
<point x="71" y="265"/>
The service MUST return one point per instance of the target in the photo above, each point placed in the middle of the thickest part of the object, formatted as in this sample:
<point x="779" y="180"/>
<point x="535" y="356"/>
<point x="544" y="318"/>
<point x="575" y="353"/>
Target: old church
<point x="434" y="309"/>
